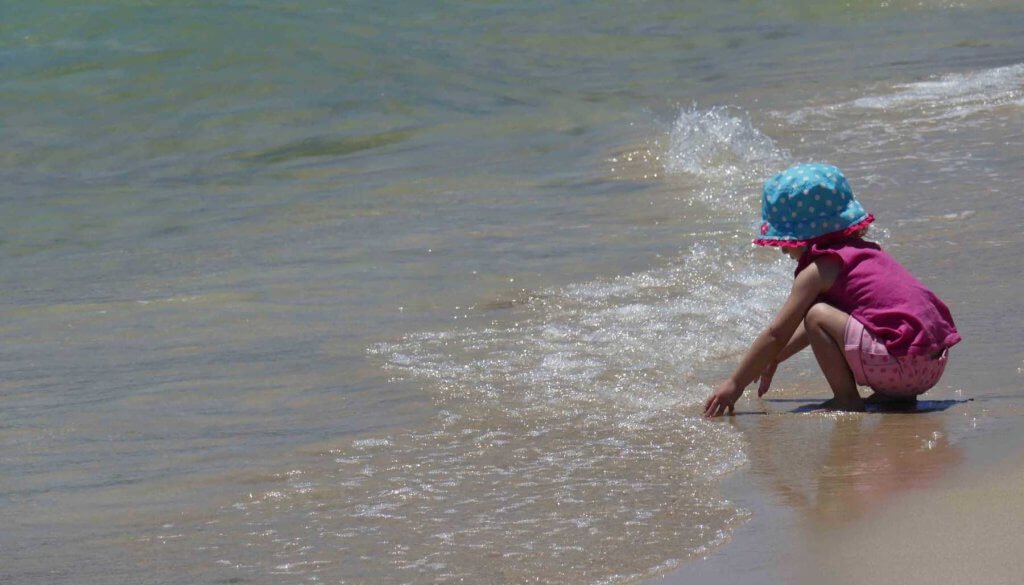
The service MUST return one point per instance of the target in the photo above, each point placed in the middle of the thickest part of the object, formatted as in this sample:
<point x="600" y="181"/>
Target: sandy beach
<point x="890" y="500"/>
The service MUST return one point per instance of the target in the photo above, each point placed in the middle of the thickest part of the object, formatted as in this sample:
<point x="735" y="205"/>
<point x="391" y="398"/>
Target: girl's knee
<point x="817" y="315"/>
<point x="826" y="318"/>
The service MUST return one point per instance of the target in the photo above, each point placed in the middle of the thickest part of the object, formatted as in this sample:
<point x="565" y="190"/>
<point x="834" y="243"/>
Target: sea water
<point x="433" y="291"/>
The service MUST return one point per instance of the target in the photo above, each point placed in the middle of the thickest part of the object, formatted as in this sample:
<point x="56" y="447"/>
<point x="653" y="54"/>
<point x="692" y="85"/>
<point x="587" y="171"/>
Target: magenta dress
<point x="908" y="329"/>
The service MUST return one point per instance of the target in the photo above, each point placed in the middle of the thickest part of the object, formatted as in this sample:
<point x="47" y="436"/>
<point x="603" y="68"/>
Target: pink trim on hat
<point x="829" y="236"/>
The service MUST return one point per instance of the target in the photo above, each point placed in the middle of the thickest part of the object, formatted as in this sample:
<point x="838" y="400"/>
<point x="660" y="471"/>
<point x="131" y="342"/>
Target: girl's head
<point x="809" y="203"/>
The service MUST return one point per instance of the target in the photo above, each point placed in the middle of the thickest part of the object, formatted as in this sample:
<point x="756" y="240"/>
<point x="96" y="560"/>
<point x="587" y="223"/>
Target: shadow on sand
<point x="900" y="407"/>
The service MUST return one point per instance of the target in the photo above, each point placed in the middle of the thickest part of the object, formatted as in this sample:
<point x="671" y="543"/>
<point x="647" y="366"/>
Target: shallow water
<point x="432" y="292"/>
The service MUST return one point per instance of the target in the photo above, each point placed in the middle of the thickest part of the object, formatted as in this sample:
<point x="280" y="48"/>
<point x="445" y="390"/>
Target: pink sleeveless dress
<point x="898" y="336"/>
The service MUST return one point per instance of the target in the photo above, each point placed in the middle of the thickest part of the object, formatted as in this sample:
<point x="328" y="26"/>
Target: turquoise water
<point x="293" y="289"/>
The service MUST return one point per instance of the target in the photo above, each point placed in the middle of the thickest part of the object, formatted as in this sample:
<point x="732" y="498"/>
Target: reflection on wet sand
<point x="838" y="468"/>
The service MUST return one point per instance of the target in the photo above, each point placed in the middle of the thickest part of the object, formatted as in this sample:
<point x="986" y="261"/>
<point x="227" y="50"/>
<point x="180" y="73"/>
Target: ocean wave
<point x="959" y="93"/>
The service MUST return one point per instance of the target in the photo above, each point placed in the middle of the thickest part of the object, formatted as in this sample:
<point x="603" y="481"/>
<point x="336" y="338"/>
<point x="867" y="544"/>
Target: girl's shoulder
<point x="840" y="252"/>
<point x="846" y="250"/>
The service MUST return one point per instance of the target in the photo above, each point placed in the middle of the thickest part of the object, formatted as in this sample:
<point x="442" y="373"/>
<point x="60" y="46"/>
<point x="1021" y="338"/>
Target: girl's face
<point x="794" y="252"/>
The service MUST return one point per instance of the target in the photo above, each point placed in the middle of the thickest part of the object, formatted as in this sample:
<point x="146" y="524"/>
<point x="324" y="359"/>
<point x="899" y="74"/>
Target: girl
<point x="868" y="320"/>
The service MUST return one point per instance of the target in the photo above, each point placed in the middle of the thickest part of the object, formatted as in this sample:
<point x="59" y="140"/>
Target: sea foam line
<point x="987" y="88"/>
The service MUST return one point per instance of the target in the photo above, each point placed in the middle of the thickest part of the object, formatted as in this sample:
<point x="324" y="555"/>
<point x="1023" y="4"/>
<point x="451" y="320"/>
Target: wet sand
<point x="934" y="496"/>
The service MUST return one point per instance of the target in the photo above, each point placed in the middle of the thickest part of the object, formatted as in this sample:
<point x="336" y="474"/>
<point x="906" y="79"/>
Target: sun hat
<point x="809" y="202"/>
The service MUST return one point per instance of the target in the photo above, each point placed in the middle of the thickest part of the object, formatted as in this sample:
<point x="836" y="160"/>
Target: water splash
<point x="721" y="159"/>
<point x="720" y="145"/>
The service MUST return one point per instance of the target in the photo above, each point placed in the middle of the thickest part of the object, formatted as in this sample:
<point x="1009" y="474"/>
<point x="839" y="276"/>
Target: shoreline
<point x="871" y="514"/>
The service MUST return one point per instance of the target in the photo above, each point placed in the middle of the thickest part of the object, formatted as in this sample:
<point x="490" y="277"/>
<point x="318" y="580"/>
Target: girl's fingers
<point x="716" y="407"/>
<point x="766" y="379"/>
<point x="713" y="408"/>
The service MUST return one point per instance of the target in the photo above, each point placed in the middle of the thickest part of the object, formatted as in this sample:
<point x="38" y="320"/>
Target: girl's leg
<point x="826" y="330"/>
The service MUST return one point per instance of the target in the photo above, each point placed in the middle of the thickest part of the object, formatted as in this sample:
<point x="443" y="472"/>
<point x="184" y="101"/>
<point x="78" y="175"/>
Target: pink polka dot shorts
<point x="872" y="365"/>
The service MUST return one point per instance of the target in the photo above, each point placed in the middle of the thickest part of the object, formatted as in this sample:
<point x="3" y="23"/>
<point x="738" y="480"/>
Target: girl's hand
<point x="766" y="378"/>
<point x="722" y="399"/>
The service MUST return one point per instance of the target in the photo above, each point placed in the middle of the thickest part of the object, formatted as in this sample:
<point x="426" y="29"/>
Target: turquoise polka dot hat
<point x="809" y="202"/>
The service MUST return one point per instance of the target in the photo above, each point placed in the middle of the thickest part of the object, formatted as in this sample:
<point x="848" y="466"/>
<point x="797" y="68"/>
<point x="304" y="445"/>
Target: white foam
<point x="956" y="92"/>
<point x="909" y="108"/>
<point x="617" y="347"/>
<point x="370" y="443"/>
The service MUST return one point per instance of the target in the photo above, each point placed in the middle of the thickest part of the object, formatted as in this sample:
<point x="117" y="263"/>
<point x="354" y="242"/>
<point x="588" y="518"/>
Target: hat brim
<point x="836" y="235"/>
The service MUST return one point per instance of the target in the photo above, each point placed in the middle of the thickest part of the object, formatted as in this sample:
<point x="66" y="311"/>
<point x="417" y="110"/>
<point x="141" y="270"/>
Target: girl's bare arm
<point x="771" y="343"/>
